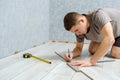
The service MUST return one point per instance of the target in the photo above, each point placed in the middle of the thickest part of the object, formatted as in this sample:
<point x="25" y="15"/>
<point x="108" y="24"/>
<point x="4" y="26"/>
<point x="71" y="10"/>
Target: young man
<point x="101" y="26"/>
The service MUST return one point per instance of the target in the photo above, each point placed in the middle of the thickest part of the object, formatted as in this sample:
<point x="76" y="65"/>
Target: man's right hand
<point x="68" y="57"/>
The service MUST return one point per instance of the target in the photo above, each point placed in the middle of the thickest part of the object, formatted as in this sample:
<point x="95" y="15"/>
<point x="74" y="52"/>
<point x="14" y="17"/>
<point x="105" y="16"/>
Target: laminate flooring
<point x="15" y="67"/>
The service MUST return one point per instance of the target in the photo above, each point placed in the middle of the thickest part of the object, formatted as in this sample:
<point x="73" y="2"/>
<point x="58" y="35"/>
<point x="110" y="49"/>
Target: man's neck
<point x="87" y="22"/>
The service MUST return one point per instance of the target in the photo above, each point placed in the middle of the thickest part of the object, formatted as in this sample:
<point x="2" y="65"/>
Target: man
<point x="101" y="26"/>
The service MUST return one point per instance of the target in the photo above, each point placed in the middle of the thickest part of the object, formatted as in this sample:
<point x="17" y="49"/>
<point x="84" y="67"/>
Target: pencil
<point x="68" y="52"/>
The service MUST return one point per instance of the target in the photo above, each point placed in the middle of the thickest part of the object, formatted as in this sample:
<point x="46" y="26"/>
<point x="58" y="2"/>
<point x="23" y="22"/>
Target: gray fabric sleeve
<point x="79" y="38"/>
<point x="101" y="18"/>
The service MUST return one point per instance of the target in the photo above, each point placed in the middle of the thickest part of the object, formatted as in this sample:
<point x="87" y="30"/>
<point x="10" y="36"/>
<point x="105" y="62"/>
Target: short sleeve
<point x="79" y="38"/>
<point x="101" y="18"/>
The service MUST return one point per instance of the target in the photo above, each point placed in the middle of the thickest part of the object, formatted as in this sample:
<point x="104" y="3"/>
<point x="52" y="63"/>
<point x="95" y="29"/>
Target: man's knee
<point x="93" y="47"/>
<point x="115" y="54"/>
<point x="92" y="51"/>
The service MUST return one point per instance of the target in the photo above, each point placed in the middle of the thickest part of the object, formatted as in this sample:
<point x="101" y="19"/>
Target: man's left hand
<point x="81" y="63"/>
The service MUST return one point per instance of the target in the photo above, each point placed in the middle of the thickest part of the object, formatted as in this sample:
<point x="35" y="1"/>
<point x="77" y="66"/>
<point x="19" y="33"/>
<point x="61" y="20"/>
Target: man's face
<point x="79" y="29"/>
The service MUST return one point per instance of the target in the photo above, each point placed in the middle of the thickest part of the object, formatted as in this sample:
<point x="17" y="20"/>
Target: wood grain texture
<point x="15" y="67"/>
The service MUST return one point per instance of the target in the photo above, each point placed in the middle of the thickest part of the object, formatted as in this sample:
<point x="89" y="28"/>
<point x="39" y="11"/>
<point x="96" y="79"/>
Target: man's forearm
<point x="76" y="51"/>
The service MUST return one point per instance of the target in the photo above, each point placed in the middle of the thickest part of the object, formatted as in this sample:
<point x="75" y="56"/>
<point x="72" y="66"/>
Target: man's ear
<point x="81" y="20"/>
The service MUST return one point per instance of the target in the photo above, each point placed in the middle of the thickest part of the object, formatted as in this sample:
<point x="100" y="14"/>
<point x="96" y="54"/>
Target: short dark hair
<point x="70" y="19"/>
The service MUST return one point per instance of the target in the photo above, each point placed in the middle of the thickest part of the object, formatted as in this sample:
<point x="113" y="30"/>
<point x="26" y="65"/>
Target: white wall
<point x="23" y="24"/>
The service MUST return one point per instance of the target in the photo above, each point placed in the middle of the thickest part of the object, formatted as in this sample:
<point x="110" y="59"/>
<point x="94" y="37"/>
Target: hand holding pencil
<point x="68" y="56"/>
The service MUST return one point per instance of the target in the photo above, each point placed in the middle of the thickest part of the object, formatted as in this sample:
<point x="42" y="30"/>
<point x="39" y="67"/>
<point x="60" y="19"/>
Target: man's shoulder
<point x="107" y="10"/>
<point x="92" y="11"/>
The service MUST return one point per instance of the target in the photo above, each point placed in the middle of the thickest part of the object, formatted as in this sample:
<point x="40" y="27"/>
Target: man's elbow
<point x="111" y="41"/>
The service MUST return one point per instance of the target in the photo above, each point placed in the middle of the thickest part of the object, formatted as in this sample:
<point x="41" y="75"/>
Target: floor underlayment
<point x="15" y="67"/>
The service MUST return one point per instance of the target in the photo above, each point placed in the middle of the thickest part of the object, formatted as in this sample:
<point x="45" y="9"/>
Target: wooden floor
<point x="15" y="67"/>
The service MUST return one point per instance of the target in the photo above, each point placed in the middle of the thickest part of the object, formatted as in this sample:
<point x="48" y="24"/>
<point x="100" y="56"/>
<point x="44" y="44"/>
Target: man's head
<point x="76" y="23"/>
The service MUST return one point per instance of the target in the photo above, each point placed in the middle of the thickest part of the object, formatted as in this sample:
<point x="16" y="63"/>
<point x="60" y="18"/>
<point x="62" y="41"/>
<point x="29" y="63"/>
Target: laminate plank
<point x="62" y="72"/>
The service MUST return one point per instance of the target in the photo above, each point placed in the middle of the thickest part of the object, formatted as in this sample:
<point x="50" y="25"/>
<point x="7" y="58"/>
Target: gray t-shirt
<point x="97" y="19"/>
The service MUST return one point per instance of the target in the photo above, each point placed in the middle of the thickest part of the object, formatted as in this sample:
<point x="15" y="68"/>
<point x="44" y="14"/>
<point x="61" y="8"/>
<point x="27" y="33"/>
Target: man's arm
<point x="78" y="49"/>
<point x="107" y="42"/>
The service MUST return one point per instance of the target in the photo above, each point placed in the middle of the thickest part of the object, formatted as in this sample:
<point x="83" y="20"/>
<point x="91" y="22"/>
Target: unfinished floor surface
<point x="15" y="67"/>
